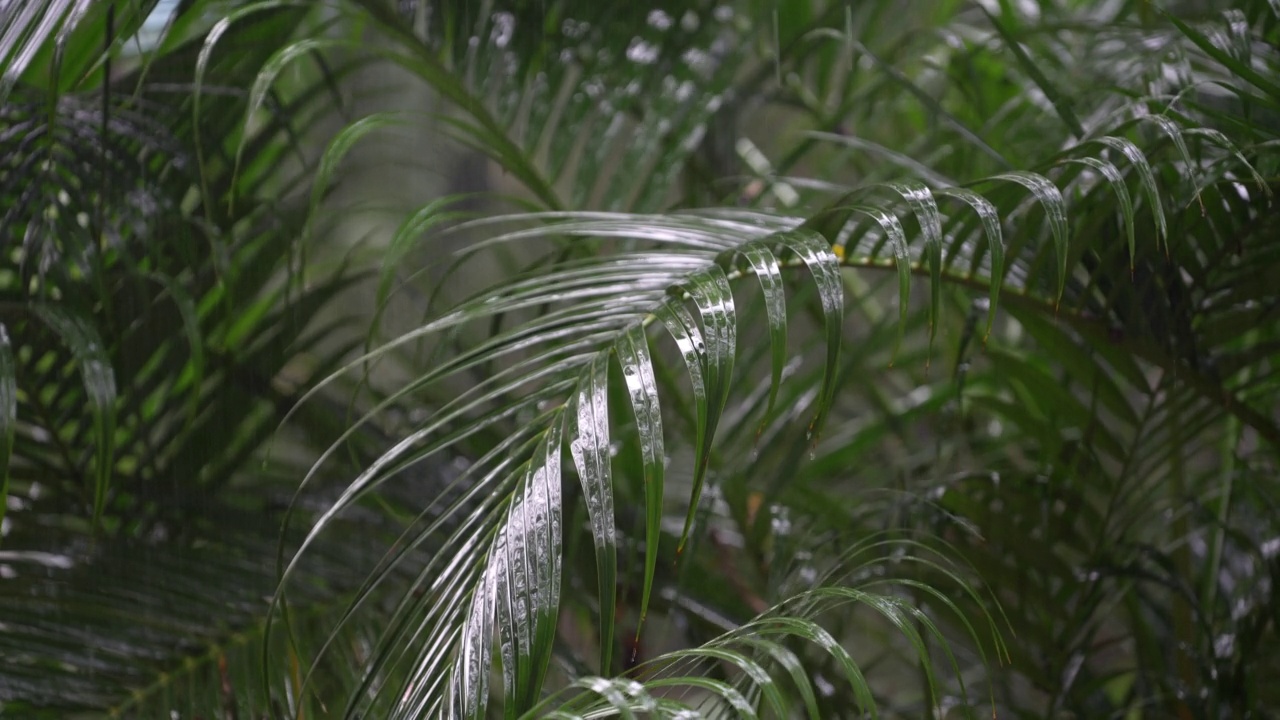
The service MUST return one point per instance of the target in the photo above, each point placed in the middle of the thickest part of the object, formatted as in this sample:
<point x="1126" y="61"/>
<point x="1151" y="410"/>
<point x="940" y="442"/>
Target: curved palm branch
<point x="149" y="345"/>
<point x="1124" y="232"/>
<point x="546" y="376"/>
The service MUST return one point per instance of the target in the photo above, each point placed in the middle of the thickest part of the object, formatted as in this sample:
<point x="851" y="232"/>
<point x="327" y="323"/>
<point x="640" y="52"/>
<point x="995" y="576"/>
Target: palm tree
<point x="806" y="359"/>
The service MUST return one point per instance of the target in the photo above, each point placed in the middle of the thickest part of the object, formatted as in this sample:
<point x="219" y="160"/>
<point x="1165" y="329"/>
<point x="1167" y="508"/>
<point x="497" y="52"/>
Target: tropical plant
<point x="808" y="359"/>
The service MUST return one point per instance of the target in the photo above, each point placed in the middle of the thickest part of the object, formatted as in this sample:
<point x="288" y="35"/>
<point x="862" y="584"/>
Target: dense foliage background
<point x="778" y="358"/>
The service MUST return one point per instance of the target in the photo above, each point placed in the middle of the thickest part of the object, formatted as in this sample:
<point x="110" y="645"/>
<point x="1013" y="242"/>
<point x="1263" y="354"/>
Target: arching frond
<point x="986" y="330"/>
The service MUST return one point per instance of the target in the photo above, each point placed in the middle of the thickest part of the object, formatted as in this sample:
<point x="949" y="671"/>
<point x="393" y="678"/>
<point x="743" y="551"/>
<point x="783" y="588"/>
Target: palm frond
<point x="167" y="631"/>
<point x="151" y="345"/>
<point x="550" y="367"/>
<point x="1057" y="243"/>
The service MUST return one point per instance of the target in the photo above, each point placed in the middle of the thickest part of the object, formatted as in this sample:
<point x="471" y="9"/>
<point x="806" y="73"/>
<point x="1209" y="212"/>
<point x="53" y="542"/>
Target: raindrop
<point x="659" y="19"/>
<point x="1224" y="645"/>
<point x="684" y="91"/>
<point x="1270" y="548"/>
<point x="698" y="61"/>
<point x="780" y="523"/>
<point x="504" y="24"/>
<point x="825" y="688"/>
<point x="642" y="52"/>
<point x="1241" y="608"/>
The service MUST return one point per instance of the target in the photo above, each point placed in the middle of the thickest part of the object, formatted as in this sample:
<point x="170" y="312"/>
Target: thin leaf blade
<point x="90" y="354"/>
<point x="8" y="415"/>
<point x="642" y="389"/>
<point x="765" y="266"/>
<point x="990" y="219"/>
<point x="588" y="435"/>
<point x="824" y="266"/>
<point x="1055" y="209"/>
